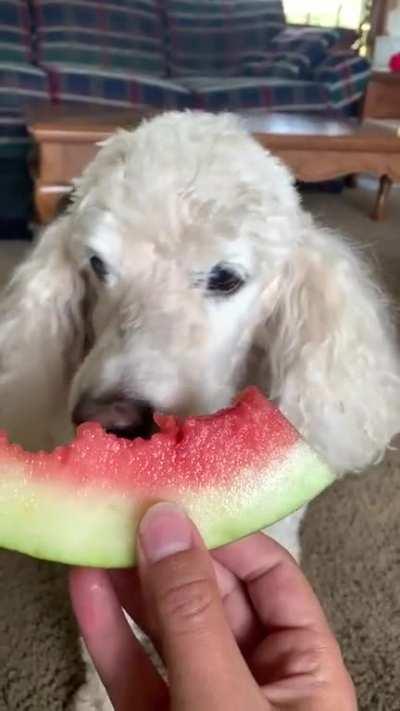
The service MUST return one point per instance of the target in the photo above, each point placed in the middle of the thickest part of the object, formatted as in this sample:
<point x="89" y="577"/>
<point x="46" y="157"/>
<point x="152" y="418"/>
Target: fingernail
<point x="164" y="530"/>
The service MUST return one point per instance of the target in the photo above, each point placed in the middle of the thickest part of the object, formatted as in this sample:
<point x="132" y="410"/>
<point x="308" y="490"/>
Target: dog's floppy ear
<point x="41" y="335"/>
<point x="333" y="359"/>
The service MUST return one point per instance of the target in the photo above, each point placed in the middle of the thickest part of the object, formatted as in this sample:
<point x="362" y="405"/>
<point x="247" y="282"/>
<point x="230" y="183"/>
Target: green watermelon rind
<point x="97" y="528"/>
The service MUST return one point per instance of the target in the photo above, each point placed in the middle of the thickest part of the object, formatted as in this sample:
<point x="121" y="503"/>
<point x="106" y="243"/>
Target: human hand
<point x="239" y="630"/>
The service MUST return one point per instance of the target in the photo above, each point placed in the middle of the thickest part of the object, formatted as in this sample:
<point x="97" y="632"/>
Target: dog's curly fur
<point x="161" y="206"/>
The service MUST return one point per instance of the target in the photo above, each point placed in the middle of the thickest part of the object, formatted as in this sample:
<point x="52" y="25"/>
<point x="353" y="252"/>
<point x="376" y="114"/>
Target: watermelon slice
<point x="235" y="472"/>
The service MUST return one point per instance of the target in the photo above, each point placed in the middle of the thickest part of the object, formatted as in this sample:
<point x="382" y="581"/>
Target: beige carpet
<point x="351" y="544"/>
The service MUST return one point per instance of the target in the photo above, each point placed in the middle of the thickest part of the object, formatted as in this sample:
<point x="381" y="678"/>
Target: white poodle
<point x="184" y="269"/>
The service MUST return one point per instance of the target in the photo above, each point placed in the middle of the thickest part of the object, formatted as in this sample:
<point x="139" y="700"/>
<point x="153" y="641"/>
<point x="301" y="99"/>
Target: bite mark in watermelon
<point x="234" y="472"/>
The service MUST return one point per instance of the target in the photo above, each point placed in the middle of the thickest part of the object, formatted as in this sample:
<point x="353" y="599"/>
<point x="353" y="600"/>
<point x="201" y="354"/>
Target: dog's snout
<point x="121" y="416"/>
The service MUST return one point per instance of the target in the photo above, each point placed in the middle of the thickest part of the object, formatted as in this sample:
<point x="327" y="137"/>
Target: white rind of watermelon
<point x="90" y="529"/>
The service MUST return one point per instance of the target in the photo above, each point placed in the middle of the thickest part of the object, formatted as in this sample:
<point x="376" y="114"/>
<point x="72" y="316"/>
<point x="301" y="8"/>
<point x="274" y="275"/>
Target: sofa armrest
<point x="344" y="75"/>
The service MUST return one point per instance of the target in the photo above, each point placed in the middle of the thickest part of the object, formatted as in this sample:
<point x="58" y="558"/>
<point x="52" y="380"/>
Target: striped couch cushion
<point x="115" y="88"/>
<point x="337" y="85"/>
<point x="217" y="37"/>
<point x="122" y="34"/>
<point x="234" y="94"/>
<point x="20" y="83"/>
<point x="15" y="34"/>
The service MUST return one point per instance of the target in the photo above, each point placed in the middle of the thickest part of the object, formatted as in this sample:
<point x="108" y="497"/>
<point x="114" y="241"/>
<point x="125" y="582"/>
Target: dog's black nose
<point x="124" y="417"/>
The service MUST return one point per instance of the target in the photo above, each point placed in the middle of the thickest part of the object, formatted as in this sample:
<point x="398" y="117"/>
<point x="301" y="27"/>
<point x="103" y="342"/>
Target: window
<point x="327" y="13"/>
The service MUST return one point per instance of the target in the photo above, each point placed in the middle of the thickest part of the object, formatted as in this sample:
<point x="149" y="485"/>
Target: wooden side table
<point x="316" y="148"/>
<point x="382" y="101"/>
<point x="382" y="98"/>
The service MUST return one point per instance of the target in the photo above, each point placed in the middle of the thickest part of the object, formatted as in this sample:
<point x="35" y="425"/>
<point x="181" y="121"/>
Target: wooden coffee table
<point x="316" y="148"/>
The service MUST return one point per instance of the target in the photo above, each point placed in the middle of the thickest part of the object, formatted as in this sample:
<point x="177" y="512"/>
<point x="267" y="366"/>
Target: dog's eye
<point x="98" y="266"/>
<point x="223" y="280"/>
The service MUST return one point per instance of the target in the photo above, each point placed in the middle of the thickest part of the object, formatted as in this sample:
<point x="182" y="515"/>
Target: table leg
<point x="379" y="210"/>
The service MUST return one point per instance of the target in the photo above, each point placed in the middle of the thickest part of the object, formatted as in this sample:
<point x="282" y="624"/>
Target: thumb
<point x="205" y="667"/>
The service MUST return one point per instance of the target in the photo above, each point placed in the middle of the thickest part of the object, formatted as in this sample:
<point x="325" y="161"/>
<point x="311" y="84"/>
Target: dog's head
<point x="178" y="230"/>
<point x="184" y="269"/>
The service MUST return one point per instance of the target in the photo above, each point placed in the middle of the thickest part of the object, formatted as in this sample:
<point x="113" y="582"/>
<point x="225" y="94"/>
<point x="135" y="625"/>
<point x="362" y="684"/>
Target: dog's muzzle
<point x="124" y="417"/>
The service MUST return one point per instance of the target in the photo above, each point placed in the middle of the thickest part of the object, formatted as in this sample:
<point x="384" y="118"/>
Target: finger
<point x="300" y="653"/>
<point x="127" y="588"/>
<point x="126" y="584"/>
<point x="179" y="585"/>
<point x="239" y="612"/>
<point x="128" y="591"/>
<point x="126" y="672"/>
<point x="238" y="609"/>
<point x="303" y="668"/>
<point x="278" y="589"/>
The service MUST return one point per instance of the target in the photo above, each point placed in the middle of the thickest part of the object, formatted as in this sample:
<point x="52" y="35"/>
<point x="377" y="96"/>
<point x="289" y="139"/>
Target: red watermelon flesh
<point x="235" y="472"/>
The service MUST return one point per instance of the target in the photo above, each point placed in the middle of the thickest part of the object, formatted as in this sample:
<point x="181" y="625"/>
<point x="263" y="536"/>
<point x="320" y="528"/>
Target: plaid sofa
<point x="209" y="54"/>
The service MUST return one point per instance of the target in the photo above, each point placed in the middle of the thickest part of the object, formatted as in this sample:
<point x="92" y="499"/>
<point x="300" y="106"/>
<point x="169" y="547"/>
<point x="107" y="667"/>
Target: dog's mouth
<point x="123" y="418"/>
<point x="145" y="430"/>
